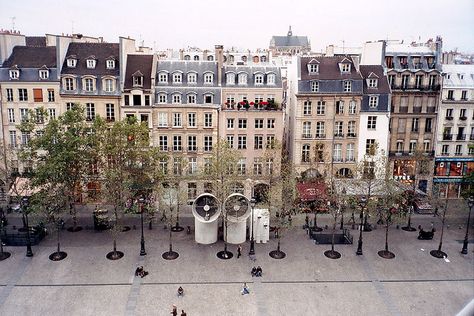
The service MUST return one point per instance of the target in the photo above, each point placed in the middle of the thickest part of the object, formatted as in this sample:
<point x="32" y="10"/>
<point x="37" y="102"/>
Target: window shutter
<point x="38" y="95"/>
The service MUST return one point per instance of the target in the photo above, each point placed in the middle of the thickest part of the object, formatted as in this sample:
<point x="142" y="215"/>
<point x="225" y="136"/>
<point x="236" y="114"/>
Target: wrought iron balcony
<point x="447" y="136"/>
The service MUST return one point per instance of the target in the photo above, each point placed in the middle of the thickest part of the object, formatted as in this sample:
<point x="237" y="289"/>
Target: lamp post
<point x="470" y="203"/>
<point x="141" y="203"/>
<point x="252" y="241"/>
<point x="25" y="202"/>
<point x="362" y="203"/>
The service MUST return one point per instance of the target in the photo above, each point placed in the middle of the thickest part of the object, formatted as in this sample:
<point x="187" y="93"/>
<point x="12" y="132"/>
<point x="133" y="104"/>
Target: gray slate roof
<point x="28" y="75"/>
<point x="142" y="64"/>
<point x="290" y="41"/>
<point x="328" y="69"/>
<point x="38" y="41"/>
<point x="101" y="52"/>
<point x="251" y="71"/>
<point x="376" y="72"/>
<point x="199" y="67"/>
<point x="31" y="57"/>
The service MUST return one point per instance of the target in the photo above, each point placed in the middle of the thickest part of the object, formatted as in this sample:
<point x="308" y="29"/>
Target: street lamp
<point x="362" y="203"/>
<point x="252" y="241"/>
<point x="25" y="202"/>
<point x="141" y="203"/>
<point x="470" y="203"/>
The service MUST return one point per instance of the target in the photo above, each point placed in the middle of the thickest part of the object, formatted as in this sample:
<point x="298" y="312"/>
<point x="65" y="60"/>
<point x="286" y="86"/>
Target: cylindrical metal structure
<point x="206" y="211"/>
<point x="237" y="209"/>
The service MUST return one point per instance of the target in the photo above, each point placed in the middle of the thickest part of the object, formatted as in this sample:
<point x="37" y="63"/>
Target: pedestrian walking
<point x="183" y="313"/>
<point x="239" y="251"/>
<point x="245" y="289"/>
<point x="174" y="312"/>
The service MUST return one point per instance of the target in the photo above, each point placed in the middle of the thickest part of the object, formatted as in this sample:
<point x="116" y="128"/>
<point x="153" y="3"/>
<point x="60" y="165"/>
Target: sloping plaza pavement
<point x="304" y="283"/>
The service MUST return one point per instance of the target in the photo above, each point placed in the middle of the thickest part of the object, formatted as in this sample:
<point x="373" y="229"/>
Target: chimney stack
<point x="220" y="62"/>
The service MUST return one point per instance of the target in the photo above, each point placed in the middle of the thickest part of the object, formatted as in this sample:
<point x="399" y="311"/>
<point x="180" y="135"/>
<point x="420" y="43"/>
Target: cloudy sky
<point x="247" y="23"/>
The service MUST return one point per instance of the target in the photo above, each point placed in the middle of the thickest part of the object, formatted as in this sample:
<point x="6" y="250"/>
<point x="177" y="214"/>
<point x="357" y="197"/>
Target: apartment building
<point x="454" y="152"/>
<point x="325" y="98"/>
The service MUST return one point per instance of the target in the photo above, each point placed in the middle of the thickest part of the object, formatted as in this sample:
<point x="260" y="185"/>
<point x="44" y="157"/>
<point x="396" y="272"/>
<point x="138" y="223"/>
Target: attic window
<point x="372" y="83"/>
<point x="345" y="68"/>
<point x="258" y="79"/>
<point x="110" y="64"/>
<point x="313" y="68"/>
<point x="91" y="63"/>
<point x="71" y="62"/>
<point x="14" y="74"/>
<point x="43" y="74"/>
<point x="137" y="81"/>
<point x="243" y="78"/>
<point x="271" y="79"/>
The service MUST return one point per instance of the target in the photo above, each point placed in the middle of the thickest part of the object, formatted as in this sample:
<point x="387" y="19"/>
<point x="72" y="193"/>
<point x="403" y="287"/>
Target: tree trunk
<point x="386" y="235"/>
<point x="59" y="228"/>
<point x="333" y="232"/>
<point x="171" y="245"/>
<point x="115" y="248"/>
<point x="150" y="225"/>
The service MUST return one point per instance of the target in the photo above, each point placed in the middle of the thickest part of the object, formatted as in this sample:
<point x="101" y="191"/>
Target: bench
<point x="425" y="235"/>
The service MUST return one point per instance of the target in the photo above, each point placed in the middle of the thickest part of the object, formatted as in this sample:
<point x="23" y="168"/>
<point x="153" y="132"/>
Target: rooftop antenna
<point x="13" y="18"/>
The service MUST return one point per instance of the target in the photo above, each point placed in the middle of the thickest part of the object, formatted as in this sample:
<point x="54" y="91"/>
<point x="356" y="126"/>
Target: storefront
<point x="449" y="173"/>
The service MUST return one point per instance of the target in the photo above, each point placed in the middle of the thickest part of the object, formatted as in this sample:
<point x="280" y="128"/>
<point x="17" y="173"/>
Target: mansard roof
<point x="139" y="65"/>
<point x="375" y="72"/>
<point x="328" y="68"/>
<point x="31" y="57"/>
<point x="99" y="51"/>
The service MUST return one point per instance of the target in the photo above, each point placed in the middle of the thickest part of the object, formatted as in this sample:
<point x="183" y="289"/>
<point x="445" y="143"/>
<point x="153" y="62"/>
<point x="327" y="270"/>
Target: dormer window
<point x="90" y="63"/>
<point x="110" y="64"/>
<point x="314" y="86"/>
<point x="347" y="85"/>
<point x="163" y="77"/>
<point x="208" y="78"/>
<point x="258" y="79"/>
<point x="345" y="68"/>
<point x="230" y="78"/>
<point x="14" y="74"/>
<point x="177" y="77"/>
<point x="313" y="68"/>
<point x="271" y="79"/>
<point x="44" y="74"/>
<point x="243" y="78"/>
<point x="192" y="78"/>
<point x="71" y="62"/>
<point x="138" y="81"/>
<point x="372" y="83"/>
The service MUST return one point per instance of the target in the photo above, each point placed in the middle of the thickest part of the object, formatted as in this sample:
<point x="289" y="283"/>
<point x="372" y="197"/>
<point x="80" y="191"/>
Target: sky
<point x="247" y="23"/>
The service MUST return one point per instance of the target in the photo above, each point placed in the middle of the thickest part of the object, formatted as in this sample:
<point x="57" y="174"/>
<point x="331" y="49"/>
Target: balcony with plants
<point x="245" y="105"/>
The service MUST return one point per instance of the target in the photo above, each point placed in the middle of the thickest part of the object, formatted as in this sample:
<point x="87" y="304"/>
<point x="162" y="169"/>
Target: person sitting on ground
<point x="245" y="289"/>
<point x="254" y="271"/>
<point x="259" y="271"/>
<point x="139" y="271"/>
<point x="180" y="291"/>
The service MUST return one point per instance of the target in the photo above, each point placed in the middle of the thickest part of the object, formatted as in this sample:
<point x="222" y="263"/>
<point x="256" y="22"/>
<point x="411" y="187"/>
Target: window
<point x="270" y="142"/>
<point x="321" y="108"/>
<point x="462" y="114"/>
<point x="192" y="143"/>
<point x="352" y="107"/>
<point x="162" y="119"/>
<point x="445" y="150"/>
<point x="110" y="112"/>
<point x="345" y="68"/>
<point x="370" y="146"/>
<point x="9" y="95"/>
<point x="163" y="145"/>
<point x="147" y="100"/>
<point x="258" y="142"/>
<point x="257" y="166"/>
<point x="230" y="140"/>
<point x="25" y="138"/>
<point x="38" y="95"/>
<point x="69" y="84"/>
<point x="372" y="122"/>
<point x="271" y="79"/>
<point x="412" y="146"/>
<point x="320" y="130"/>
<point x="43" y="74"/>
<point x="414" y="124"/>
<point x="90" y="111"/>
<point x="242" y="142"/>
<point x="243" y="79"/>
<point x="372" y="83"/>
<point x="24" y="115"/>
<point x="90" y="63"/>
<point x="13" y="142"/>
<point x="373" y="101"/>
<point x="22" y="95"/>
<point x="177" y="144"/>
<point x="270" y="123"/>
<point x="14" y="74"/>
<point x="458" y="150"/>
<point x="351" y="129"/>
<point x="405" y="80"/>
<point x="306" y="129"/>
<point x="88" y="84"/>
<point x="163" y="77"/>
<point x="39" y="116"/>
<point x="69" y="106"/>
<point x="313" y="68"/>
<point x="314" y="86"/>
<point x="426" y="146"/>
<point x="110" y="64"/>
<point x="305" y="153"/>
<point x="350" y="152"/>
<point x="337" y="153"/>
<point x="428" y="125"/>
<point x="192" y="78"/>
<point x="258" y="123"/>
<point x="192" y="119"/>
<point x="242" y="123"/>
<point x="164" y="165"/>
<point x="192" y="166"/>
<point x="208" y="78"/>
<point x="50" y="95"/>
<point x="450" y="94"/>
<point x="230" y="123"/>
<point x="177" y="120"/>
<point x="207" y="143"/>
<point x="137" y="99"/>
<point x="339" y="129"/>
<point x="176" y="98"/>
<point x="418" y="81"/>
<point x="11" y="115"/>
<point x="340" y="107"/>
<point x="449" y="113"/>
<point x="109" y="85"/>
<point x="241" y="166"/>
<point x="71" y="63"/>
<point x="191" y="98"/>
<point x="230" y="78"/>
<point x="177" y="168"/>
<point x="192" y="187"/>
<point x="399" y="146"/>
<point x="162" y="98"/>
<point x="391" y="80"/>
<point x="258" y="79"/>
<point x="463" y="95"/>
<point x="347" y="86"/>
<point x="208" y="98"/>
<point x="307" y="108"/>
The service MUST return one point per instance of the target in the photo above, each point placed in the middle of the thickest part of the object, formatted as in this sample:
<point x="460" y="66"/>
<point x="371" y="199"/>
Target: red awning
<point x="312" y="191"/>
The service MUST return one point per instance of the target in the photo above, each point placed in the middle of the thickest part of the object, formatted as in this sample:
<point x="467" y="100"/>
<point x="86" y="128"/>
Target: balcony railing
<point x="338" y="135"/>
<point x="409" y="153"/>
<point x="461" y="137"/>
<point x="306" y="136"/>
<point x="351" y="135"/>
<point x="403" y="109"/>
<point x="447" y="136"/>
<point x="428" y="88"/>
<point x="471" y="137"/>
<point x="449" y="118"/>
<point x="320" y="135"/>
<point x="463" y="118"/>
<point x="431" y="109"/>
<point x="417" y="109"/>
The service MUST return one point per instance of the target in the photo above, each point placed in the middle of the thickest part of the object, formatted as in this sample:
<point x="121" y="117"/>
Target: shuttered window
<point x="38" y="95"/>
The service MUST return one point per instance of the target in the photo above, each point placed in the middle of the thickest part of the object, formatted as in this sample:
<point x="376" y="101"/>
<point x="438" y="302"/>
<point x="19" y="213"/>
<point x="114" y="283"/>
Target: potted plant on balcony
<point x="263" y="104"/>
<point x="239" y="106"/>
<point x="246" y="105"/>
